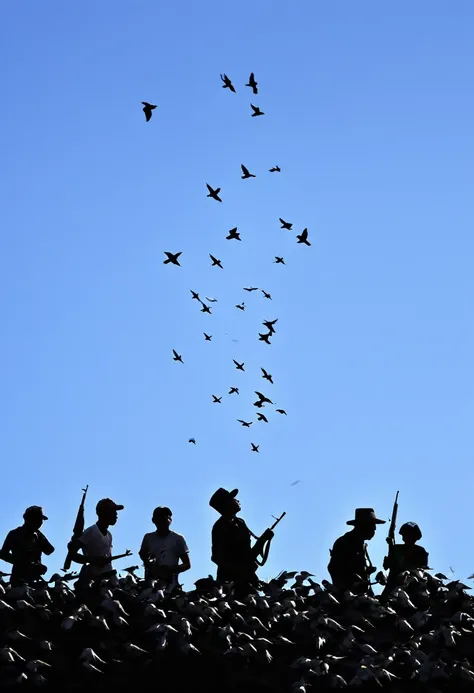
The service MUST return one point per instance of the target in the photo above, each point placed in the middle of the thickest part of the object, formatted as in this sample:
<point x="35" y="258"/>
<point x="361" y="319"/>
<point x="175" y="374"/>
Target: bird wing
<point x="259" y="395"/>
<point x="175" y="353"/>
<point x="251" y="78"/>
<point x="304" y="234"/>
<point x="212" y="258"/>
<point x="245" y="170"/>
<point x="210" y="189"/>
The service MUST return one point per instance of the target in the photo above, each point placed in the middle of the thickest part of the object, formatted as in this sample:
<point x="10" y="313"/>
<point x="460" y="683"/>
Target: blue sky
<point x="368" y="112"/>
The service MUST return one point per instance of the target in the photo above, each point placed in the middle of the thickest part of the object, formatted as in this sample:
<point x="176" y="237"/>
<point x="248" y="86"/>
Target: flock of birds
<point x="293" y="636"/>
<point x="173" y="258"/>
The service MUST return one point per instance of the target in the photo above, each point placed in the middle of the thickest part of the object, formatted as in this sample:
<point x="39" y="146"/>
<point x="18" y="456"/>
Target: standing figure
<point x="24" y="546"/>
<point x="231" y="543"/>
<point x="161" y="551"/>
<point x="406" y="556"/>
<point x="350" y="562"/>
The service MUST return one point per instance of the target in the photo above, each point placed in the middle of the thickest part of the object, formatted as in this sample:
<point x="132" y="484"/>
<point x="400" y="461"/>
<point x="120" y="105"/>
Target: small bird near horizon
<point x="206" y="309"/>
<point x="234" y="390"/>
<point x="281" y="411"/>
<point x="213" y="193"/>
<point x="275" y="169"/>
<point x="216" y="400"/>
<point x="264" y="337"/>
<point x="234" y="235"/>
<point x="279" y="261"/>
<point x="172" y="257"/>
<point x="239" y="366"/>
<point x="286" y="224"/>
<point x="267" y="295"/>
<point x="191" y="440"/>
<point x="245" y="423"/>
<point x="252" y="83"/>
<point x="303" y="237"/>
<point x="215" y="261"/>
<point x="207" y="337"/>
<point x="295" y="482"/>
<point x="227" y="83"/>
<point x="266" y="375"/>
<point x="148" y="109"/>
<point x="246" y="172"/>
<point x="261" y="417"/>
<point x="241" y="306"/>
<point x="250" y="288"/>
<point x="254" y="447"/>
<point x="176" y="356"/>
<point x="256" y="111"/>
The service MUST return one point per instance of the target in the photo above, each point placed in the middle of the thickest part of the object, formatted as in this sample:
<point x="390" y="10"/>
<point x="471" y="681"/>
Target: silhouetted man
<point x="231" y="543"/>
<point x="161" y="551"/>
<point x="349" y="566"/>
<point x="24" y="546"/>
<point x="406" y="556"/>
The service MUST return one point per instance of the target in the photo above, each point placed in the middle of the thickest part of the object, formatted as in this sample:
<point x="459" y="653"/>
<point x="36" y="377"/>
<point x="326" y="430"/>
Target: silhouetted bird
<point x="207" y="337"/>
<point x="252" y="83"/>
<point x="279" y="260"/>
<point x="274" y="169"/>
<point x="250" y="288"/>
<point x="262" y="398"/>
<point x="264" y="337"/>
<point x="269" y="325"/>
<point x="303" y="237"/>
<point x="266" y="375"/>
<point x="172" y="257"/>
<point x="262" y="417"/>
<point x="216" y="400"/>
<point x="239" y="366"/>
<point x="234" y="235"/>
<point x="195" y="295"/>
<point x="206" y="309"/>
<point x="212" y="300"/>
<point x="246" y="172"/>
<point x="281" y="411"/>
<point x="245" y="423"/>
<point x="241" y="306"/>
<point x="295" y="482"/>
<point x="234" y="389"/>
<point x="215" y="261"/>
<point x="256" y="111"/>
<point x="148" y="109"/>
<point x="213" y="193"/>
<point x="286" y="224"/>
<point x="191" y="440"/>
<point x="267" y="295"/>
<point x="227" y="83"/>
<point x="254" y="447"/>
<point x="176" y="356"/>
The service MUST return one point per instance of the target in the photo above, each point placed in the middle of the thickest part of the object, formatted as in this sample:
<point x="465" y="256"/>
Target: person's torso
<point x="26" y="547"/>
<point x="166" y="550"/>
<point x="96" y="544"/>
<point x="405" y="557"/>
<point x="236" y="534"/>
<point x="349" y="554"/>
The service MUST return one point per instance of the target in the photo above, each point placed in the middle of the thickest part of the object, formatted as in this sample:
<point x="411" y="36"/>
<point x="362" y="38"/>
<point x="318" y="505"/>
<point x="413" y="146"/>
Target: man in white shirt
<point x="96" y="543"/>
<point x="161" y="551"/>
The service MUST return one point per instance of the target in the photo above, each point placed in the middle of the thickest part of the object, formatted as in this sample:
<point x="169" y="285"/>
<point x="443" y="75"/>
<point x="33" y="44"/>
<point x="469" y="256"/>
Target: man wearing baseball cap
<point x="24" y="546"/>
<point x="96" y="544"/>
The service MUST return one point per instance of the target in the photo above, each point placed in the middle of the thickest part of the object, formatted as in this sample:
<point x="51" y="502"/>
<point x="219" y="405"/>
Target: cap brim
<point x="44" y="517"/>
<point x="376" y="520"/>
<point x="119" y="507"/>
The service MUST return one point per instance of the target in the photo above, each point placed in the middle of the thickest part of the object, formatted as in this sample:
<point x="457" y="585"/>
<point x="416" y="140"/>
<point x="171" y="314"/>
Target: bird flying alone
<point x="191" y="440"/>
<point x="250" y="288"/>
<point x="256" y="111"/>
<point x="245" y="423"/>
<point x="207" y="337"/>
<point x="261" y="417"/>
<point x="239" y="366"/>
<point x="267" y="295"/>
<point x="252" y="83"/>
<point x="286" y="224"/>
<point x="246" y="172"/>
<point x="241" y="306"/>
<point x="303" y="237"/>
<point x="172" y="257"/>
<point x="213" y="193"/>
<point x="266" y="375"/>
<point x="234" y="389"/>
<point x="279" y="261"/>
<point x="275" y="169"/>
<point x="281" y="411"/>
<point x="215" y="261"/>
<point x="233" y="235"/>
<point x="227" y="83"/>
<point x="211" y="300"/>
<point x="176" y="356"/>
<point x="216" y="400"/>
<point x="148" y="109"/>
<point x="254" y="447"/>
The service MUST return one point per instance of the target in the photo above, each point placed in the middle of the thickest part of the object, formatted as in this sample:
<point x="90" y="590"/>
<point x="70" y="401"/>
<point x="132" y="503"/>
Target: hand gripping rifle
<point x="391" y="532"/>
<point x="77" y="531"/>
<point x="263" y="545"/>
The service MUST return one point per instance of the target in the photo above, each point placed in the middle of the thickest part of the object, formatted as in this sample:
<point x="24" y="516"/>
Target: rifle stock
<point x="77" y="531"/>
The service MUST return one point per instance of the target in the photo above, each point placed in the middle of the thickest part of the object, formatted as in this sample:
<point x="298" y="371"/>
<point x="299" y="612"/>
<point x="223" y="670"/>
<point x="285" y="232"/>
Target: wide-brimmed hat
<point x="221" y="497"/>
<point x="34" y="511"/>
<point x="365" y="515"/>
<point x="106" y="504"/>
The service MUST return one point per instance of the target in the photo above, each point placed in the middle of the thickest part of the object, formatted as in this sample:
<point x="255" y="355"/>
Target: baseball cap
<point x="107" y="504"/>
<point x="35" y="510"/>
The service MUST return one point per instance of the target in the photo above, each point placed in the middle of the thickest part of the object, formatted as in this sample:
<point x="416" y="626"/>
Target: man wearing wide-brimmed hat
<point x="350" y="566"/>
<point x="24" y="546"/>
<point x="231" y="543"/>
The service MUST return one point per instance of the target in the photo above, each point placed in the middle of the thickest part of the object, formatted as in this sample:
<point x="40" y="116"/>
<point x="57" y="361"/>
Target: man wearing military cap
<point x="350" y="566"/>
<point x="24" y="546"/>
<point x="231" y="543"/>
<point x="406" y="556"/>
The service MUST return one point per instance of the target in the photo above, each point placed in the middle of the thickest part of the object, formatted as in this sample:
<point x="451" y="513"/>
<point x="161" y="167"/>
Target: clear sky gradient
<point x="369" y="112"/>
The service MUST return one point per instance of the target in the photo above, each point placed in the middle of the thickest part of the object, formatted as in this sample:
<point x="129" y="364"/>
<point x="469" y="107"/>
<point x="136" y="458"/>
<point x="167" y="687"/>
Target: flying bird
<point x="286" y="224"/>
<point x="239" y="366"/>
<point x="275" y="169"/>
<point x="262" y="398"/>
<point x="195" y="295"/>
<point x="262" y="417"/>
<point x="254" y="447"/>
<point x="206" y="309"/>
<point x="281" y="411"/>
<point x="207" y="337"/>
<point x="191" y="440"/>
<point x="269" y="325"/>
<point x="250" y="288"/>
<point x="303" y="237"/>
<point x="241" y="306"/>
<point x="295" y="482"/>
<point x="245" y="423"/>
<point x="246" y="172"/>
<point x="148" y="109"/>
<point x="234" y="235"/>
<point x="256" y="111"/>
<point x="215" y="261"/>
<point x="176" y="356"/>
<point x="264" y="337"/>
<point x="216" y="400"/>
<point x="279" y="260"/>
<point x="227" y="83"/>
<point x="211" y="300"/>
<point x="172" y="257"/>
<point x="252" y="83"/>
<point x="267" y="295"/>
<point x="266" y="375"/>
<point x="213" y="193"/>
<point x="234" y="389"/>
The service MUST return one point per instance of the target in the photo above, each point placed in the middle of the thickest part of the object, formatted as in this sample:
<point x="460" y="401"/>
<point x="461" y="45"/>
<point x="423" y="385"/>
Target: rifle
<point x="77" y="531"/>
<point x="264" y="545"/>
<point x="391" y="532"/>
